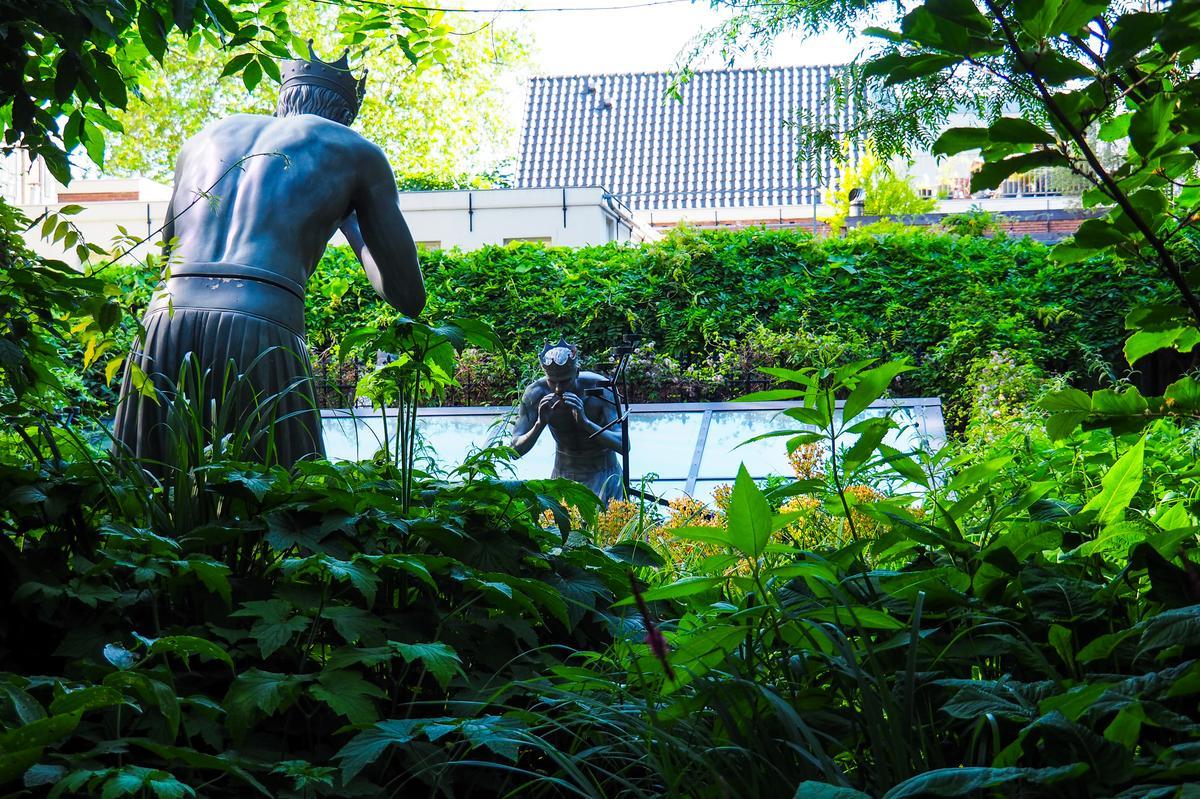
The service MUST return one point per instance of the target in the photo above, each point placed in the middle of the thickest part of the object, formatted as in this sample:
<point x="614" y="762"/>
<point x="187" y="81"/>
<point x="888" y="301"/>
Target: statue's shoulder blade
<point x="536" y="390"/>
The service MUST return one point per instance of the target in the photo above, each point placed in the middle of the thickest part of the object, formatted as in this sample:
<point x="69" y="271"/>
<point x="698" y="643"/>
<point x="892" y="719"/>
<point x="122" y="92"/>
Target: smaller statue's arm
<point x="530" y="423"/>
<point x="610" y="438"/>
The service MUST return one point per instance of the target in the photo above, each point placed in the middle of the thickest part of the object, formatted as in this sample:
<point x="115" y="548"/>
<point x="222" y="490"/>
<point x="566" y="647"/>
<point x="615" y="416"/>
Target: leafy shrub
<point x="712" y="307"/>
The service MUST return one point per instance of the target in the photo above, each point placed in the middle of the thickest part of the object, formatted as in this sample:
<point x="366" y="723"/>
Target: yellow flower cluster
<point x="806" y="461"/>
<point x="816" y="528"/>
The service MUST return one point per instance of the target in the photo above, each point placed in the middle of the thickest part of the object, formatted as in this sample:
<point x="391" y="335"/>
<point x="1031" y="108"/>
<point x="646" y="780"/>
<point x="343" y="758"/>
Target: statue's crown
<point x="335" y="76"/>
<point x="559" y="356"/>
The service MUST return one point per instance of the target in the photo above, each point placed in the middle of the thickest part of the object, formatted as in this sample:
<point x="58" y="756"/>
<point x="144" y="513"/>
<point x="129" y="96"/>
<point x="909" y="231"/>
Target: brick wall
<point x="96" y="196"/>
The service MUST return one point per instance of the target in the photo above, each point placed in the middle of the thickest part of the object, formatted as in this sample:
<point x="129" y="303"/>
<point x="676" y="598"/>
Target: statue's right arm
<point x="382" y="241"/>
<point x="529" y="427"/>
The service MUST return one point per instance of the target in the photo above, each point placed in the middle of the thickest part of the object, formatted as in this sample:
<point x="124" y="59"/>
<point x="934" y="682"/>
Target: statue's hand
<point x="575" y="406"/>
<point x="546" y="407"/>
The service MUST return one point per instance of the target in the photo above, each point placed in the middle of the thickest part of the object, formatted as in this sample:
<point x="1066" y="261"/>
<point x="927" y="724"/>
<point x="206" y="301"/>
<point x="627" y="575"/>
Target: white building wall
<point x="571" y="217"/>
<point x="437" y="219"/>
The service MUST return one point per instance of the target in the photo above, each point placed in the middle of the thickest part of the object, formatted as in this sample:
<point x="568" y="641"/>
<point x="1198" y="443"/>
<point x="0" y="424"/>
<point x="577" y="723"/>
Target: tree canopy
<point x="439" y="121"/>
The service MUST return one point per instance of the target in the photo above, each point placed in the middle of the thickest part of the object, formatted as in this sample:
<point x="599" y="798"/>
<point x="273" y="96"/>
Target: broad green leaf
<point x="973" y="779"/>
<point x="83" y="699"/>
<point x="142" y="382"/>
<point x="185" y="645"/>
<point x="1119" y="485"/>
<point x="749" y="516"/>
<point x="1126" y="726"/>
<point x="993" y="173"/>
<point x="255" y="693"/>
<point x="1151" y="123"/>
<point x="810" y="789"/>
<point x="499" y="734"/>
<point x="870" y="386"/>
<point x="846" y="616"/>
<point x="213" y="575"/>
<point x="979" y="473"/>
<point x="1175" y="627"/>
<point x="439" y="659"/>
<point x="636" y="553"/>
<point x="366" y="747"/>
<point x="276" y="625"/>
<point x="1145" y="342"/>
<point x="957" y="140"/>
<point x="1018" y="131"/>
<point x="685" y="586"/>
<point x="348" y="694"/>
<point x="21" y="747"/>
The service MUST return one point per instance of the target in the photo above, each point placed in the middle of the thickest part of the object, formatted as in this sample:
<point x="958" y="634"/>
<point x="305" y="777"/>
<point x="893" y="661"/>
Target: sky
<point x="636" y="39"/>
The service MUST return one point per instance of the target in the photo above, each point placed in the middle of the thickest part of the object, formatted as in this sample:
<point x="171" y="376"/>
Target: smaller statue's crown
<point x="335" y="76"/>
<point x="560" y="355"/>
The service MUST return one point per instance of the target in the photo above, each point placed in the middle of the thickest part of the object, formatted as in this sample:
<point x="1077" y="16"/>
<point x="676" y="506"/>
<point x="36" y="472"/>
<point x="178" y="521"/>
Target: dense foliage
<point x="1026" y="622"/>
<point x="1015" y="614"/>
<point x="436" y="120"/>
<point x="712" y="307"/>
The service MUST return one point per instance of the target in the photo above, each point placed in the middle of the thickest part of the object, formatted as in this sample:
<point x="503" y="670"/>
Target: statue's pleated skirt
<point x="251" y="373"/>
<point x="599" y="470"/>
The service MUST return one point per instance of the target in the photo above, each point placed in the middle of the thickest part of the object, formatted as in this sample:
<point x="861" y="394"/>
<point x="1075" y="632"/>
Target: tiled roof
<point x="729" y="143"/>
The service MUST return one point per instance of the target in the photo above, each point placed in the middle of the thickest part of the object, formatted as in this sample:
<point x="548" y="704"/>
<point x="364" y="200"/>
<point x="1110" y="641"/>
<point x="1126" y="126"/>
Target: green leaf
<point x="979" y="473"/>
<point x="83" y="699"/>
<point x="1013" y="130"/>
<point x="495" y="733"/>
<point x="870" y="386"/>
<point x="749" y="516"/>
<point x="957" y="140"/>
<point x="256" y="693"/>
<point x="1126" y="727"/>
<point x="1119" y="485"/>
<point x="685" y="586"/>
<point x="1175" y="627"/>
<point x="353" y="624"/>
<point x="970" y="780"/>
<point x="366" y="747"/>
<point x="185" y="645"/>
<point x="142" y="383"/>
<point x="846" y="616"/>
<point x="1144" y="342"/>
<point x="439" y="659"/>
<point x="213" y="575"/>
<point x="236" y="64"/>
<point x="348" y="694"/>
<point x="993" y="173"/>
<point x="822" y="790"/>
<point x="21" y="747"/>
<point x="635" y="553"/>
<point x="1151" y="123"/>
<point x="276" y="625"/>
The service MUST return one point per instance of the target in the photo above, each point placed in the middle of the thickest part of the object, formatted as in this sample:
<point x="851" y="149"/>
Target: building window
<point x="542" y="239"/>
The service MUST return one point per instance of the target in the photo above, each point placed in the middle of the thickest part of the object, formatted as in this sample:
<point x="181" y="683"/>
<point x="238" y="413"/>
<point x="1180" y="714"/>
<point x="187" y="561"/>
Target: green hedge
<point x="716" y="302"/>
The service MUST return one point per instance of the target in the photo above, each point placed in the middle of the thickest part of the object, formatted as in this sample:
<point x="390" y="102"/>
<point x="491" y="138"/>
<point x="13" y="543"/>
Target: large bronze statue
<point x="580" y="411"/>
<point x="256" y="199"/>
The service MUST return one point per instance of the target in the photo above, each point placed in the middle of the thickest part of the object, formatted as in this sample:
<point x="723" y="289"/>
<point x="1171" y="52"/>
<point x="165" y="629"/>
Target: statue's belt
<point x="235" y="288"/>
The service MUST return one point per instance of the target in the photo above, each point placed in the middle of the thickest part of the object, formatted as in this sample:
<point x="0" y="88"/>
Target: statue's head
<point x="560" y="362"/>
<point x="315" y="87"/>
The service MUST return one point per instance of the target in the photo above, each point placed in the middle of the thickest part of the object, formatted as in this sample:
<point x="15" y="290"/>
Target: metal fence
<point x="336" y="383"/>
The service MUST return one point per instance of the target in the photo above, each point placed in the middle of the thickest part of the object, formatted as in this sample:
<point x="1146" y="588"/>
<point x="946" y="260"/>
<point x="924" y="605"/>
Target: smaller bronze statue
<point x="581" y="412"/>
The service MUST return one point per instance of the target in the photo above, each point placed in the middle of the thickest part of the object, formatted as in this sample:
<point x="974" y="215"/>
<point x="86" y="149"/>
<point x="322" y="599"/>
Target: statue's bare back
<point x="270" y="192"/>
